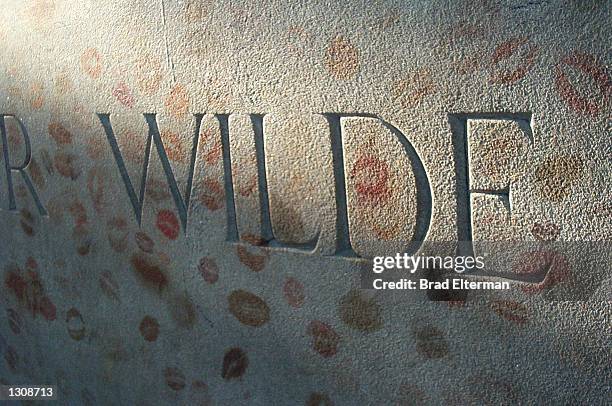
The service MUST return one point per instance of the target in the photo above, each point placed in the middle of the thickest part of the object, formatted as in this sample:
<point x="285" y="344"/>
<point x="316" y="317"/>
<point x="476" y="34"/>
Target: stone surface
<point x="285" y="144"/>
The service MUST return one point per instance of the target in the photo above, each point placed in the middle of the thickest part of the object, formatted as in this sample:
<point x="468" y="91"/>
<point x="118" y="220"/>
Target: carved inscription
<point x="254" y="192"/>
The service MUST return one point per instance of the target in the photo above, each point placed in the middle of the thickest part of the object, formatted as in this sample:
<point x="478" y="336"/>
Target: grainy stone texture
<point x="212" y="299"/>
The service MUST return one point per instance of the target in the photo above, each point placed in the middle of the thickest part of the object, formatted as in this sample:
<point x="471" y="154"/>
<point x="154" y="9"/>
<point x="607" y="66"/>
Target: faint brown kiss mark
<point x="14" y="321"/>
<point x="547" y="266"/>
<point x="293" y="291"/>
<point x="91" y="62"/>
<point x="209" y="269"/>
<point x="175" y="379"/>
<point x="430" y="342"/>
<point x="37" y="98"/>
<point x="360" y="312"/>
<point x="183" y="311"/>
<point x="96" y="185"/>
<point x="109" y="286"/>
<point x="149" y="272"/>
<point x="325" y="339"/>
<point x="66" y="164"/>
<point x="144" y="242"/>
<point x="212" y="194"/>
<point x="556" y="175"/>
<point x="410" y="91"/>
<point x="177" y="102"/>
<point x="149" y="328"/>
<point x="342" y="58"/>
<point x="148" y="74"/>
<point x="546" y="231"/>
<point x="59" y="134"/>
<point x="510" y="310"/>
<point x="27" y="222"/>
<point x="75" y="324"/>
<point x="504" y="52"/>
<point x="248" y="308"/>
<point x="253" y="257"/>
<point x="235" y="363"/>
<point x="319" y="399"/>
<point x="117" y="233"/>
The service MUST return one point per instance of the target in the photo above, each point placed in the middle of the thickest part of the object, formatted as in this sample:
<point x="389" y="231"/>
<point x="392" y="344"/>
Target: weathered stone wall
<point x="192" y="190"/>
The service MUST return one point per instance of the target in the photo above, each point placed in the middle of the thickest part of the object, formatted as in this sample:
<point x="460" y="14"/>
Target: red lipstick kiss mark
<point x="505" y="51"/>
<point x="371" y="177"/>
<point x="123" y="94"/>
<point x="589" y="65"/>
<point x="168" y="224"/>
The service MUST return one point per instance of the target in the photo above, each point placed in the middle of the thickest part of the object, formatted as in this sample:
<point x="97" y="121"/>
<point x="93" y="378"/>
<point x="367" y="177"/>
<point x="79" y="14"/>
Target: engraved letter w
<point x="182" y="203"/>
